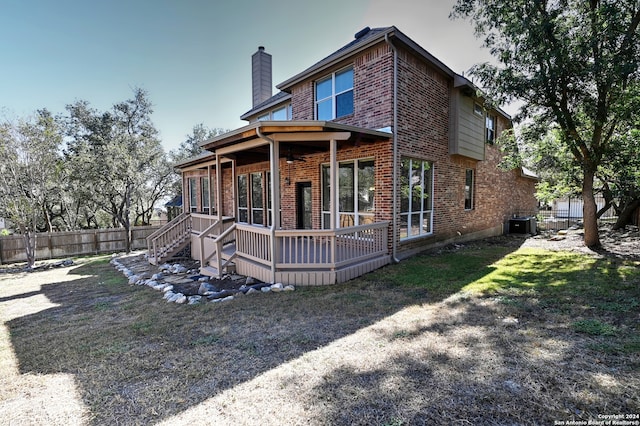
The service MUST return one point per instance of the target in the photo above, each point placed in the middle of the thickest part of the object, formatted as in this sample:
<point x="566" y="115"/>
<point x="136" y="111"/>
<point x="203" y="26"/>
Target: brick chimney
<point x="261" y="76"/>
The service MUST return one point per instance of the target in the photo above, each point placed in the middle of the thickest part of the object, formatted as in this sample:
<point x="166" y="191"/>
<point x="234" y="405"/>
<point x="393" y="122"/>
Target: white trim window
<point x="193" y="194"/>
<point x="334" y="95"/>
<point x="251" y="206"/>
<point x="243" y="198"/>
<point x="416" y="198"/>
<point x="356" y="193"/>
<point x="469" y="181"/>
<point x="490" y="124"/>
<point x="257" y="199"/>
<point x="204" y="195"/>
<point x="284" y="113"/>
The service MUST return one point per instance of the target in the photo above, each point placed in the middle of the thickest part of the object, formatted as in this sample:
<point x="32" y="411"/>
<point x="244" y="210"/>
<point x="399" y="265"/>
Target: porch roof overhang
<point x="297" y="138"/>
<point x="300" y="130"/>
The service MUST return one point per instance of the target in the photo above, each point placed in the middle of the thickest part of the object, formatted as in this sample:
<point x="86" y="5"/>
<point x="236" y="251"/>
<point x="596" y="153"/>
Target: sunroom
<point x="297" y="202"/>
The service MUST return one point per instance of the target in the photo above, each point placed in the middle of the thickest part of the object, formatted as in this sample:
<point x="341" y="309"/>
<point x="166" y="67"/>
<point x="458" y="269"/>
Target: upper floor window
<point x="334" y="95"/>
<point x="279" y="114"/>
<point x="490" y="128"/>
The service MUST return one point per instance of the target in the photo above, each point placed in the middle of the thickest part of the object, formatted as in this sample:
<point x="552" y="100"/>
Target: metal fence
<point x="556" y="219"/>
<point x="52" y="245"/>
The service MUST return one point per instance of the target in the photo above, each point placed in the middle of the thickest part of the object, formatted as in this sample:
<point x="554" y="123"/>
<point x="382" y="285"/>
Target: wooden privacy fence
<point x="51" y="245"/>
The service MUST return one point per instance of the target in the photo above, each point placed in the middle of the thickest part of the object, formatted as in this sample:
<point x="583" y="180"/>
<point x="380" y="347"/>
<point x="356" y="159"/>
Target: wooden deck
<point x="303" y="257"/>
<point x="311" y="257"/>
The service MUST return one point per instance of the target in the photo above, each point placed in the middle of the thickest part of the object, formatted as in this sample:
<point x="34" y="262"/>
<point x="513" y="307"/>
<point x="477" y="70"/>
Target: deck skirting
<point x="310" y="276"/>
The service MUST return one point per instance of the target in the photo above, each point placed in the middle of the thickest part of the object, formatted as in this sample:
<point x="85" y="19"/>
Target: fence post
<point x="1" y="239"/>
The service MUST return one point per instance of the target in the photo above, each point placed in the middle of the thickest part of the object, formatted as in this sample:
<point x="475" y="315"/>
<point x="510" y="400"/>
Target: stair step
<point x="209" y="271"/>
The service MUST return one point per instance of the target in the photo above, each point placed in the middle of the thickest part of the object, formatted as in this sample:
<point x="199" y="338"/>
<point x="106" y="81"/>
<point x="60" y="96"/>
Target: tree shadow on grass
<point x="512" y="357"/>
<point x="138" y="360"/>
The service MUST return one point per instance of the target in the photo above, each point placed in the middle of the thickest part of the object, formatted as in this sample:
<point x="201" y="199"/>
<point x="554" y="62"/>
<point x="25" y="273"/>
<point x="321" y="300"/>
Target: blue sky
<point x="192" y="56"/>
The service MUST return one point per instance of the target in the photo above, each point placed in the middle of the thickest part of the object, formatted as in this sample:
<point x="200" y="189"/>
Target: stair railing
<point x="171" y="233"/>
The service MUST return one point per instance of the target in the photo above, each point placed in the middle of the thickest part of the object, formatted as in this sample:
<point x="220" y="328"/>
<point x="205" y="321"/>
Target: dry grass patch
<point x="481" y="335"/>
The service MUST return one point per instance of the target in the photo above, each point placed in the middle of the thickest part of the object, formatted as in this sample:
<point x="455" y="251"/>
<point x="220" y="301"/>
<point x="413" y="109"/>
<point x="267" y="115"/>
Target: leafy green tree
<point x="574" y="64"/>
<point x="114" y="155"/>
<point x="30" y="152"/>
<point x="190" y="147"/>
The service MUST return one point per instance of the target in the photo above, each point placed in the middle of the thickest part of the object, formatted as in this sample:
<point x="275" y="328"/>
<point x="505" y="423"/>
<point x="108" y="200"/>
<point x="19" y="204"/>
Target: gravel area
<point x="621" y="244"/>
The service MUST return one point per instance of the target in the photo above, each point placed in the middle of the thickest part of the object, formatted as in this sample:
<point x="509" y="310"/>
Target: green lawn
<point x="485" y="334"/>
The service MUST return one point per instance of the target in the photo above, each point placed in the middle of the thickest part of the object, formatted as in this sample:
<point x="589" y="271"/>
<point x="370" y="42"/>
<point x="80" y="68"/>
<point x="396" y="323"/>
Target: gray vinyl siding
<point x="467" y="133"/>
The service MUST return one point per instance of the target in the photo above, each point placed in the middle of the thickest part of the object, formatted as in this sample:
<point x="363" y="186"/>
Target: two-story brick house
<point x="372" y="154"/>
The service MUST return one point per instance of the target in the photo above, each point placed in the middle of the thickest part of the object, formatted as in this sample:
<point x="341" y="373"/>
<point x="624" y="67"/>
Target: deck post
<point x="218" y="187"/>
<point x="333" y="190"/>
<point x="275" y="203"/>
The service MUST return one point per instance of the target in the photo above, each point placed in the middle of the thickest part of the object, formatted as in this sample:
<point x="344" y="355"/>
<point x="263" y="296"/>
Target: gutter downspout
<point x="394" y="222"/>
<point x="274" y="155"/>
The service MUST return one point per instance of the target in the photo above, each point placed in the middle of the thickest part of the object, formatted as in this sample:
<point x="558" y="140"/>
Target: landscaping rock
<point x="175" y="297"/>
<point x="178" y="269"/>
<point x="193" y="300"/>
<point x="224" y="299"/>
<point x="184" y="285"/>
<point x="221" y="294"/>
<point x="206" y="289"/>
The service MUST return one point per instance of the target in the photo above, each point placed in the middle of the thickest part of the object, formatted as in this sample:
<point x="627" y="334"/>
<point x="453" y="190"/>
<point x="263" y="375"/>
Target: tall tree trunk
<point x="29" y="237"/>
<point x="590" y="211"/>
<point x="626" y="215"/>
<point x="127" y="217"/>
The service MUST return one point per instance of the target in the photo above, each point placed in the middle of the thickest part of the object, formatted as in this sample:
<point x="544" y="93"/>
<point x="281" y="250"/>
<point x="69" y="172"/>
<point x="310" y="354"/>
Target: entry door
<point x="303" y="200"/>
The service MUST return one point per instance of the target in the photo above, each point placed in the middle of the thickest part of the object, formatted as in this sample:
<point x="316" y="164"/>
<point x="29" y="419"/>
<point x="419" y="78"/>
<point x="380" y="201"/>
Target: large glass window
<point x="366" y="192"/>
<point x="356" y="190"/>
<point x="468" y="189"/>
<point x="204" y="185"/>
<point x="193" y="194"/>
<point x="257" y="204"/>
<point x="416" y="198"/>
<point x="251" y="204"/>
<point x="243" y="199"/>
<point x="334" y="95"/>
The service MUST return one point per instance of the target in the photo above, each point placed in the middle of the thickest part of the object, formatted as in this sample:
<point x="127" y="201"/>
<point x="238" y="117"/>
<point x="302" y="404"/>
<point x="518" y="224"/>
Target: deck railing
<point x="254" y="243"/>
<point x="313" y="249"/>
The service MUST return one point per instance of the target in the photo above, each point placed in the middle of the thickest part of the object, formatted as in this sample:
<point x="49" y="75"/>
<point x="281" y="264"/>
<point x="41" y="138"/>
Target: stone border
<point x="206" y="290"/>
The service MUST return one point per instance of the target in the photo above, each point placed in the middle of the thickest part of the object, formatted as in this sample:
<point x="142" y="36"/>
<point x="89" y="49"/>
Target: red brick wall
<point x="372" y="91"/>
<point x="422" y="133"/>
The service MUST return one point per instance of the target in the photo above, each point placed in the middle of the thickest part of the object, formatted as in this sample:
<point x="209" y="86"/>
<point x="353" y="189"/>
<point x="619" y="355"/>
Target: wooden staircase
<point x="224" y="249"/>
<point x="167" y="241"/>
<point x="215" y="244"/>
